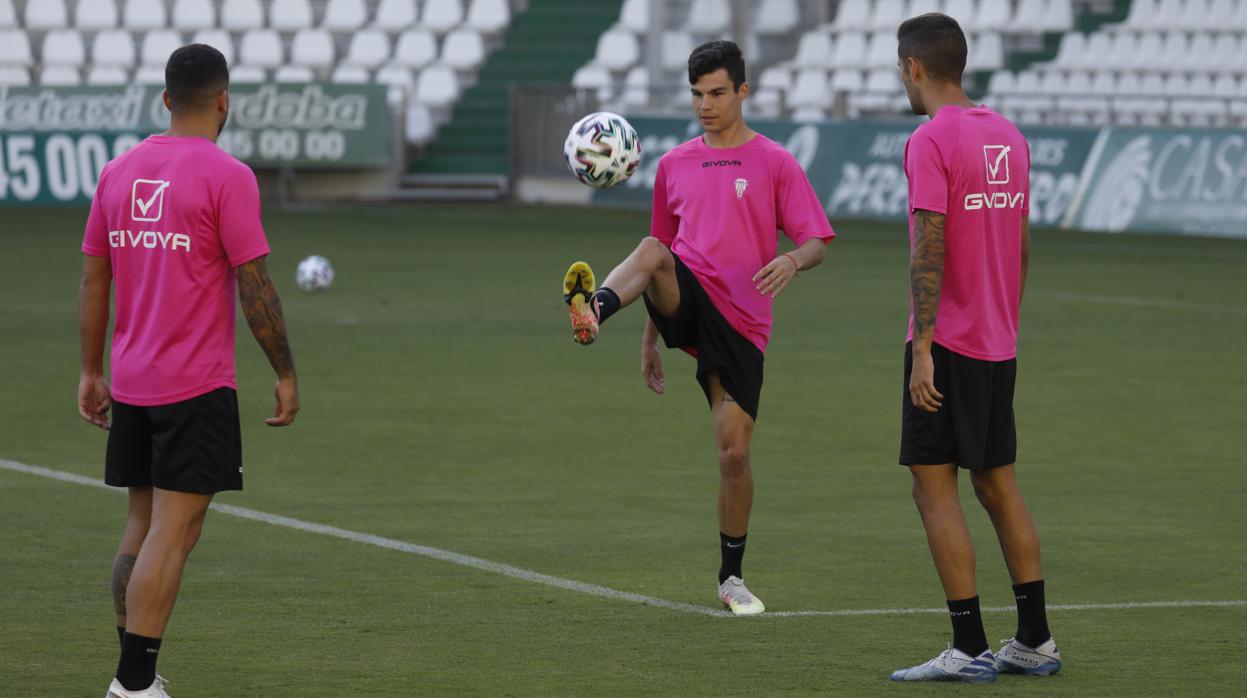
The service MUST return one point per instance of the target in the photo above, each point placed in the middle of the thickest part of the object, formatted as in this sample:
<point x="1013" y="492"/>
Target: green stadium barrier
<point x="1148" y="180"/>
<point x="55" y="141"/>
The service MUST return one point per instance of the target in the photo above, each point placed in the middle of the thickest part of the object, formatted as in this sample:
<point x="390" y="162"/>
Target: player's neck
<point x="188" y="128"/>
<point x="737" y="134"/>
<point x="950" y="95"/>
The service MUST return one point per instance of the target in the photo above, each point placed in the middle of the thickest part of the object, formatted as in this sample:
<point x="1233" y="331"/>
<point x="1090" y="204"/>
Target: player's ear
<point x="164" y="95"/>
<point x="743" y="90"/>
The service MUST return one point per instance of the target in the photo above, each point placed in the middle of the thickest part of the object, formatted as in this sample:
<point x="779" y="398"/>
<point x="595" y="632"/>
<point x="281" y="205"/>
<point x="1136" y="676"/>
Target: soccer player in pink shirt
<point x="174" y="224"/>
<point x="969" y="184"/>
<point x="708" y="274"/>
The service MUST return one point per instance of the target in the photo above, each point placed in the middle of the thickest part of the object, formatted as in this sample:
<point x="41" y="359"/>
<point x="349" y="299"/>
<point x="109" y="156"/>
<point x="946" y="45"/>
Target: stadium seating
<point x="193" y="15"/>
<point x="95" y="14"/>
<point x="145" y="15"/>
<point x="395" y="15"/>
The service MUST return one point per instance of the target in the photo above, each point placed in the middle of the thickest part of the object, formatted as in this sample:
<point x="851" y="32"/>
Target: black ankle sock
<point x="1032" y="614"/>
<point x="607" y="303"/>
<point x="121" y="633"/>
<point x="968" y="635"/>
<point x="137" y="668"/>
<point x="733" y="552"/>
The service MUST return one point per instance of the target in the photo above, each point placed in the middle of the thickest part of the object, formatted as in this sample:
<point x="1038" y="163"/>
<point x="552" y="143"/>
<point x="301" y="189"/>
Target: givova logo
<point x="147" y="199"/>
<point x="997" y="159"/>
<point x="1118" y="195"/>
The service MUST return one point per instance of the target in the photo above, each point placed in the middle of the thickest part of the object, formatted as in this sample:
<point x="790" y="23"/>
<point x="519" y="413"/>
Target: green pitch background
<point x="445" y="404"/>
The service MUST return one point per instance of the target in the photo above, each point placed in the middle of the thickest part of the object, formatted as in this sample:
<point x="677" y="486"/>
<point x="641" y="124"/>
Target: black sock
<point x="121" y="633"/>
<point x="137" y="668"/>
<point x="733" y="552"/>
<point x="968" y="635"/>
<point x="607" y="303"/>
<point x="1032" y="614"/>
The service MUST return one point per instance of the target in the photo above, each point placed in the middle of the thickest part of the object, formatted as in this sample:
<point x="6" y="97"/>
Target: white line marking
<point x="571" y="584"/>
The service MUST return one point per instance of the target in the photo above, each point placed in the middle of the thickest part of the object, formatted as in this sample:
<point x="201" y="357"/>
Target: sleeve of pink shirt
<point x="928" y="175"/>
<point x="1026" y="184"/>
<point x="663" y="223"/>
<point x="801" y="214"/>
<point x="95" y="238"/>
<point x="238" y="218"/>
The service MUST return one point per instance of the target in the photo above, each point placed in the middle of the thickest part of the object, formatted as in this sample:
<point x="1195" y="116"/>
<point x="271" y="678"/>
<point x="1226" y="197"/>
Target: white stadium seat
<point x="346" y="74"/>
<point x="8" y="18"/>
<point x="416" y="48"/>
<point x="1123" y="52"/>
<point x="1200" y="53"/>
<point x="995" y="15"/>
<point x="15" y="47"/>
<point x="881" y="50"/>
<point x="810" y="89"/>
<point x="987" y="52"/>
<point x="95" y="14"/>
<point x="242" y="15"/>
<point x="144" y="15"/>
<point x="1031" y="14"/>
<point x="1140" y="16"/>
<point x="294" y="73"/>
<point x="440" y="16"/>
<point x="399" y="80"/>
<point x="14" y="76"/>
<point x="776" y="77"/>
<point x="312" y="48"/>
<point x="617" y="50"/>
<point x="248" y="74"/>
<point x="150" y="75"/>
<point x="64" y="47"/>
<point x="966" y="12"/>
<point x="218" y="39"/>
<point x="345" y="15"/>
<point x="1225" y="53"/>
<point x="463" y="49"/>
<point x="1098" y="52"/>
<point x="437" y="87"/>
<point x="193" y="15"/>
<point x="814" y="50"/>
<point x="60" y="76"/>
<point x="1071" y="50"/>
<point x="850" y="51"/>
<point x="261" y="47"/>
<point x="489" y="17"/>
<point x="888" y="15"/>
<point x="1149" y="50"/>
<point x="1220" y="14"/>
<point x="634" y="16"/>
<point x="1000" y="84"/>
<point x="594" y="77"/>
<point x="676" y="47"/>
<point x="1059" y="17"/>
<point x="368" y="48"/>
<point x="1168" y="15"/>
<point x="113" y="47"/>
<point x="636" y="87"/>
<point x="852" y="15"/>
<point x="46" y="14"/>
<point x="420" y="127"/>
<point x="158" y="46"/>
<point x="1175" y="52"/>
<point x="395" y="15"/>
<point x="922" y="7"/>
<point x="107" y="75"/>
<point x="708" y="17"/>
<point x="777" y="17"/>
<point x="290" y="15"/>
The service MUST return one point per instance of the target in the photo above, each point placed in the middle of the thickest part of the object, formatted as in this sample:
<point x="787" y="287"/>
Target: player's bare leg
<point x="176" y="522"/>
<point x="649" y="269"/>
<point x="138" y="520"/>
<point x="935" y="493"/>
<point x="1032" y="649"/>
<point x="733" y="435"/>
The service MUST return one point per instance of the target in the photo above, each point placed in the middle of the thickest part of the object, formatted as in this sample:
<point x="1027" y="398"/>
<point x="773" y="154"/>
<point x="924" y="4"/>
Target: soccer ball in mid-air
<point x="314" y="274"/>
<point x="602" y="150"/>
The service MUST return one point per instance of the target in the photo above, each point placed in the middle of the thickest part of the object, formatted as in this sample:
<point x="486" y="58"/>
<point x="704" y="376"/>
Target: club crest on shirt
<point x="741" y="186"/>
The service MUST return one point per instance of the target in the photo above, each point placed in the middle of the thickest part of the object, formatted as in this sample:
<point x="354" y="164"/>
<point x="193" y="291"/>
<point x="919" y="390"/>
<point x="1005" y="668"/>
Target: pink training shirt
<point x="720" y="209"/>
<point x="973" y="166"/>
<point x="174" y="216"/>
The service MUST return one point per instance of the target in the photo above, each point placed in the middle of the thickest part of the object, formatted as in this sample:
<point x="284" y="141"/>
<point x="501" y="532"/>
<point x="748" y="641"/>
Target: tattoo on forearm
<point x="122" y="567"/>
<point x="262" y="306"/>
<point x="926" y="270"/>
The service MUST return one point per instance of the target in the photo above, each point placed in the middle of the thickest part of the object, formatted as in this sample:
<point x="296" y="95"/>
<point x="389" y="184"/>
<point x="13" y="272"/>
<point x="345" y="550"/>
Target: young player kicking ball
<point x="968" y="266"/>
<point x="708" y="274"/>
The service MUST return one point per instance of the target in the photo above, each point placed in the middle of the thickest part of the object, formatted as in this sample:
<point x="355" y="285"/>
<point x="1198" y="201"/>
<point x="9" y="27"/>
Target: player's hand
<point x="94" y="400"/>
<point x="775" y="276"/>
<point x="651" y="368"/>
<point x="287" y="392"/>
<point x="922" y="384"/>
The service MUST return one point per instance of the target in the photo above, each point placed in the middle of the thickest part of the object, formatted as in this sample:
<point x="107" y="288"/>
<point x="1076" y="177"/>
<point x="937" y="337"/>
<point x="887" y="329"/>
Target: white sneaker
<point x="952" y="665"/>
<point x="734" y="595"/>
<point x="156" y="690"/>
<point x="1016" y="658"/>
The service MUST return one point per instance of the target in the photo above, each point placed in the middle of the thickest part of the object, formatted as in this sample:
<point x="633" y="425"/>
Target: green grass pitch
<point x="445" y="404"/>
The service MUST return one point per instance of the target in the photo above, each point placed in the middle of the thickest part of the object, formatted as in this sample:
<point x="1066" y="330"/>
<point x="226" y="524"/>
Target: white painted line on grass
<point x="571" y="584"/>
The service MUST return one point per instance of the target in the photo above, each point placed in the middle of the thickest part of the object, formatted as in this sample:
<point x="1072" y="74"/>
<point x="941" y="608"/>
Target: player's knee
<point x="990" y="493"/>
<point x="654" y="252"/>
<point x="733" y="459"/>
<point x="929" y="496"/>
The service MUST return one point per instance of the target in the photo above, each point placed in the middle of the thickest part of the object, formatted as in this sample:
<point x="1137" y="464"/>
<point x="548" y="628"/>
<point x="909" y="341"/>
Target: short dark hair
<point x="194" y="75"/>
<point x="937" y="41"/>
<point x="712" y="56"/>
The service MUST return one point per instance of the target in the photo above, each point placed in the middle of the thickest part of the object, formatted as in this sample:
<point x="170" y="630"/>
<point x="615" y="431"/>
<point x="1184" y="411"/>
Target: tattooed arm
<point x="926" y="276"/>
<point x="262" y="307"/>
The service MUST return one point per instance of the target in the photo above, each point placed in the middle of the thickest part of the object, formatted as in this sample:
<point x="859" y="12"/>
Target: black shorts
<point x="700" y="327"/>
<point x="974" y="428"/>
<point x="189" y="446"/>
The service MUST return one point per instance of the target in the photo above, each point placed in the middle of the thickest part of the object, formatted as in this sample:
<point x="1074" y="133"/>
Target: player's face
<point x="716" y="101"/>
<point x="906" y="66"/>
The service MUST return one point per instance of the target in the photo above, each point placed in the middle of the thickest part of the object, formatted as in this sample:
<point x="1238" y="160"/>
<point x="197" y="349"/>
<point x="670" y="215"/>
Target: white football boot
<point x="952" y="665"/>
<point x="734" y="595"/>
<point x="1016" y="658"/>
<point x="156" y="690"/>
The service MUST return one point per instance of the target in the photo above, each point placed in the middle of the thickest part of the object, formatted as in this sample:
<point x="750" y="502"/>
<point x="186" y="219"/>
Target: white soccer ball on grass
<point x="314" y="274"/>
